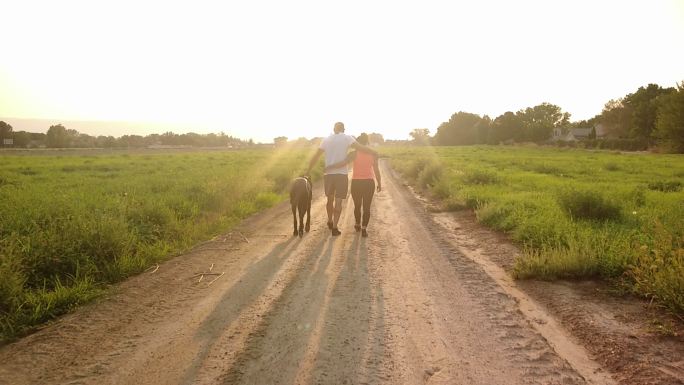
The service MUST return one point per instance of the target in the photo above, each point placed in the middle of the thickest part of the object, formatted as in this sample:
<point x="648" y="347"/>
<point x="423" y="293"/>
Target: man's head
<point x="339" y="127"/>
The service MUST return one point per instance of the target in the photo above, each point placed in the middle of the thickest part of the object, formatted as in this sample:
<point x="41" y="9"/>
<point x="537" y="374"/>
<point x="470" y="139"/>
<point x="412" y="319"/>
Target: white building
<point x="576" y="134"/>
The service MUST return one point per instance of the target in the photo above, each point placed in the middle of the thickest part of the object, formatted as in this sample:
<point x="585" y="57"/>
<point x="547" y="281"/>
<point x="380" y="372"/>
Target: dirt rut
<point x="403" y="306"/>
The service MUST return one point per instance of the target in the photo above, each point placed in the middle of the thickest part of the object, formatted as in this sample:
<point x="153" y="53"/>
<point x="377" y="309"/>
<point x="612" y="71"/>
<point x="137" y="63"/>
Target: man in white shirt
<point x="336" y="180"/>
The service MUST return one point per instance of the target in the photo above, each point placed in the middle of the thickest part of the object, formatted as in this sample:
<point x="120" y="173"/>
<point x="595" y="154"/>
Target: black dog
<point x="300" y="198"/>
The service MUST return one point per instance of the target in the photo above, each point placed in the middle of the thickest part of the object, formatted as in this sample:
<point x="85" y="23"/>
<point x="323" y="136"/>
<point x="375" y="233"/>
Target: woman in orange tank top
<point x="365" y="173"/>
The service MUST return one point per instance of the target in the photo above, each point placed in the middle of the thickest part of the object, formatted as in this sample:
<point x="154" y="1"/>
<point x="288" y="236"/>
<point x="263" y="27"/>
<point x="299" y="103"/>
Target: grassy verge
<point x="71" y="224"/>
<point x="575" y="213"/>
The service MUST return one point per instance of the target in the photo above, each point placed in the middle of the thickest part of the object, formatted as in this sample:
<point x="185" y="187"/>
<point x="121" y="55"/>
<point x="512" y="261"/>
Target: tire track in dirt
<point x="561" y="341"/>
<point x="459" y="326"/>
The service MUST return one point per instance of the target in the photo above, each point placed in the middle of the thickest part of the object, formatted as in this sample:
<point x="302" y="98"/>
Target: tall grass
<point x="589" y="204"/>
<point x="575" y="213"/>
<point x="71" y="224"/>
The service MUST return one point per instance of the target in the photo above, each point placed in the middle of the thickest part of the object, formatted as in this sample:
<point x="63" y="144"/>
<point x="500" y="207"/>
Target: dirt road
<point x="404" y="306"/>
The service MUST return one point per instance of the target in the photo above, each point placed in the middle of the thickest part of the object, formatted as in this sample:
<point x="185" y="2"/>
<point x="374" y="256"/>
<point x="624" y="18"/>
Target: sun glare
<point x="269" y="68"/>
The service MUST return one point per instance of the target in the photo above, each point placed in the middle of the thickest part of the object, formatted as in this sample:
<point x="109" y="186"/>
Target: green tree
<point x="507" y="126"/>
<point x="80" y="140"/>
<point x="103" y="141"/>
<point x="5" y="132"/>
<point x="482" y="128"/>
<point x="539" y="121"/>
<point x="584" y="123"/>
<point x="616" y="117"/>
<point x="670" y="120"/>
<point x="461" y="129"/>
<point x="22" y="139"/>
<point x="132" y="141"/>
<point x="376" y="138"/>
<point x="169" y="139"/>
<point x="643" y="105"/>
<point x="39" y="138"/>
<point x="301" y="142"/>
<point x="57" y="136"/>
<point x="421" y="136"/>
<point x="280" y="141"/>
<point x="592" y="134"/>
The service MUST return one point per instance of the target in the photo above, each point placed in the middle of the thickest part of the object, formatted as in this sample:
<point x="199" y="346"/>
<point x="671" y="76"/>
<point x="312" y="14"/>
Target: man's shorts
<point x="336" y="184"/>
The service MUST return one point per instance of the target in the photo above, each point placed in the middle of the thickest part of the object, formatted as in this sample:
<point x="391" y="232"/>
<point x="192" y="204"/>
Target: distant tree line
<point x="650" y="116"/>
<point x="281" y="141"/>
<point x="58" y="136"/>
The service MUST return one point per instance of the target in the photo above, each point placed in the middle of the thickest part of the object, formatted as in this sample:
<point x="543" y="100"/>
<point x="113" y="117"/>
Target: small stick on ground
<point x="202" y="274"/>
<point x="243" y="237"/>
<point x="216" y="278"/>
<point x="219" y="248"/>
<point x="206" y="274"/>
<point x="219" y="237"/>
<point x="155" y="268"/>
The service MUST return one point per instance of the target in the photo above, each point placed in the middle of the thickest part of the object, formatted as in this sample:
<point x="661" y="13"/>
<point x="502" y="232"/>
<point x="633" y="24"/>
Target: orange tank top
<point x="363" y="166"/>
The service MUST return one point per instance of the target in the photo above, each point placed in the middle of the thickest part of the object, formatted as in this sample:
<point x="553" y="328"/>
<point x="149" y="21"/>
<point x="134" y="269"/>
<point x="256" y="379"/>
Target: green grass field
<point x="70" y="224"/>
<point x="576" y="213"/>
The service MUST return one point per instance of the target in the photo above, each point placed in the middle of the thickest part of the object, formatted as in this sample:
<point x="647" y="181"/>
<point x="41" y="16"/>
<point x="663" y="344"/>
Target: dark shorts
<point x="336" y="185"/>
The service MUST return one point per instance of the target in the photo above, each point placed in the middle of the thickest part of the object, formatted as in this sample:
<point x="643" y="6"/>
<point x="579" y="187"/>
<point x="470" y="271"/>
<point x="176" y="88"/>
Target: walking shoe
<point x="330" y="225"/>
<point x="336" y="232"/>
<point x="357" y="227"/>
<point x="364" y="233"/>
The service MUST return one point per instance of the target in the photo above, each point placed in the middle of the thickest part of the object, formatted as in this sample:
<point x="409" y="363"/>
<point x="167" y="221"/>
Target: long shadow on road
<point x="352" y="337"/>
<point x="280" y="340"/>
<point x="243" y="293"/>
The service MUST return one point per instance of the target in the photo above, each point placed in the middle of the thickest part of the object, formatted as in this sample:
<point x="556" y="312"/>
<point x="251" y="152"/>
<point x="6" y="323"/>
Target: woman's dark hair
<point x="363" y="139"/>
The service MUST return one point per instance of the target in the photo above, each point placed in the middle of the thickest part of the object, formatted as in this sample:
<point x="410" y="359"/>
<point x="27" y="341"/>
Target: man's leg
<point x="329" y="207"/>
<point x="341" y="189"/>
<point x="329" y="188"/>
<point x="338" y="211"/>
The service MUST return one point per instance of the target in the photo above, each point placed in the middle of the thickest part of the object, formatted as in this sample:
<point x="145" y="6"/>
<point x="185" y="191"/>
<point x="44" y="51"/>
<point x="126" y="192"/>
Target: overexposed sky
<point x="260" y="69"/>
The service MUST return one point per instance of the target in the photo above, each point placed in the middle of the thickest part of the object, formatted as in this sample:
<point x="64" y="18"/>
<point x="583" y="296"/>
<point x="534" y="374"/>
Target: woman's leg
<point x="368" y="191"/>
<point x="356" y="193"/>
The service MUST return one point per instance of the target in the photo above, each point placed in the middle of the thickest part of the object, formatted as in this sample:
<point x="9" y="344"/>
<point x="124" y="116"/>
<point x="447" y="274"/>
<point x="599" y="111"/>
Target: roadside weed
<point x="576" y="214"/>
<point x="71" y="224"/>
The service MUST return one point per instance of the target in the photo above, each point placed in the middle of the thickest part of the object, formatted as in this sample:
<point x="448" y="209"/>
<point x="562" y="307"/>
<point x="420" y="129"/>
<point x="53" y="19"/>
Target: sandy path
<point x="404" y="306"/>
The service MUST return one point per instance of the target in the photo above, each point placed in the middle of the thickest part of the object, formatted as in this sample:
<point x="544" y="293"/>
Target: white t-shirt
<point x="336" y="147"/>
